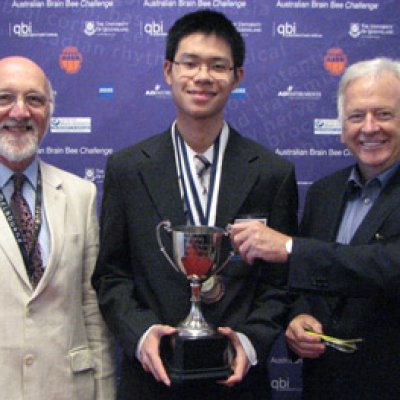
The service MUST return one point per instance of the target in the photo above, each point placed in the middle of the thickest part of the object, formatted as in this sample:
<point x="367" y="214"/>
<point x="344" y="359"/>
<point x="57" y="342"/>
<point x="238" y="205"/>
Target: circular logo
<point x="335" y="61"/>
<point x="70" y="60"/>
<point x="90" y="28"/>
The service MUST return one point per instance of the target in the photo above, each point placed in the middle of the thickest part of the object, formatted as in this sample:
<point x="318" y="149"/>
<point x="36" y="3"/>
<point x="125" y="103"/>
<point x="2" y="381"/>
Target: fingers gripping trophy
<point x="197" y="351"/>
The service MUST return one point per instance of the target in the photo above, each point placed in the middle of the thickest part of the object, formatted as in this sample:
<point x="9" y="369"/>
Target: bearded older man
<point x="53" y="343"/>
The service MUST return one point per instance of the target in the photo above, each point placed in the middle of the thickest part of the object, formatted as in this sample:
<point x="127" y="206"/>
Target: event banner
<point x="104" y="59"/>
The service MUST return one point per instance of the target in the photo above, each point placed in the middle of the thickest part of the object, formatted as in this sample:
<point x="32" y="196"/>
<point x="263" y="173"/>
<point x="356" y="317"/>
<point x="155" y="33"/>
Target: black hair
<point x="208" y="22"/>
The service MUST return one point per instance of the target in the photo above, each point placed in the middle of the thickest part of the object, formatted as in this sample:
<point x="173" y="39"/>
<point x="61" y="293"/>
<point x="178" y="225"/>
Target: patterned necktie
<point x="26" y="225"/>
<point x="202" y="164"/>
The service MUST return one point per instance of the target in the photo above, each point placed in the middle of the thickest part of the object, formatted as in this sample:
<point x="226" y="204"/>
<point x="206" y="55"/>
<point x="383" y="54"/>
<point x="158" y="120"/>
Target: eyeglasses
<point x="218" y="70"/>
<point x="31" y="100"/>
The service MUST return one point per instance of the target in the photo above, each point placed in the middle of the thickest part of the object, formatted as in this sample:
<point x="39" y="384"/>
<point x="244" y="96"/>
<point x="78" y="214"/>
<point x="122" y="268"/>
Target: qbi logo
<point x="287" y="29"/>
<point x="283" y="385"/>
<point x="154" y="28"/>
<point x="22" y="29"/>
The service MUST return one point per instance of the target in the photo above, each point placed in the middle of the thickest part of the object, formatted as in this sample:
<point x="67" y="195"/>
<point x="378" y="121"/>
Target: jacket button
<point x="29" y="359"/>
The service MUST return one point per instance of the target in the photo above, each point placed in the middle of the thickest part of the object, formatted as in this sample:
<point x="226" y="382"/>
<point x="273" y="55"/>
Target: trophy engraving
<point x="197" y="351"/>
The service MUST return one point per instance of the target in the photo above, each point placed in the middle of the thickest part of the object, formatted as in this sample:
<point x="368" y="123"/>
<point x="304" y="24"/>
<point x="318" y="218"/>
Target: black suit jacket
<point x="138" y="288"/>
<point x="356" y="292"/>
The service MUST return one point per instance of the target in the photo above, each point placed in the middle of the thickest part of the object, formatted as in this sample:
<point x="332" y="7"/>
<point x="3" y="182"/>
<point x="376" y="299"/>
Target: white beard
<point x="17" y="147"/>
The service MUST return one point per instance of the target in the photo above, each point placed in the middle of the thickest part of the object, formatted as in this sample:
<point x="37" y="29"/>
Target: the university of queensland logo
<point x="90" y="174"/>
<point x="355" y="30"/>
<point x="70" y="60"/>
<point x="90" y="28"/>
<point x="335" y="61"/>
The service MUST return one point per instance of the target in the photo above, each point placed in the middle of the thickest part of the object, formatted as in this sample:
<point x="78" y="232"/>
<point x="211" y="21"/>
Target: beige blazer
<point x="53" y="343"/>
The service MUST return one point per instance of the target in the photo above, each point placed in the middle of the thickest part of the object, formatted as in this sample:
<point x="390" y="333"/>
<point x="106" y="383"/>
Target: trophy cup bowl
<point x="197" y="351"/>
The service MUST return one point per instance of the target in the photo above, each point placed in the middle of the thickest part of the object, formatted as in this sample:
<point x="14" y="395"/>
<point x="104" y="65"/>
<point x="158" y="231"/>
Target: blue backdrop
<point x="104" y="59"/>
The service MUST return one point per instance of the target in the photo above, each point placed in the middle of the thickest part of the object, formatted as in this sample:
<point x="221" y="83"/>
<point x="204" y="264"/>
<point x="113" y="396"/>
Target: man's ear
<point x="167" y="68"/>
<point x="238" y="77"/>
<point x="342" y="136"/>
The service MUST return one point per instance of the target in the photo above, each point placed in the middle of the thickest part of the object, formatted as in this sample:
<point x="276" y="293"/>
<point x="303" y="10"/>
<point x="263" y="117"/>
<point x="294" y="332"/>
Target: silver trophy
<point x="197" y="351"/>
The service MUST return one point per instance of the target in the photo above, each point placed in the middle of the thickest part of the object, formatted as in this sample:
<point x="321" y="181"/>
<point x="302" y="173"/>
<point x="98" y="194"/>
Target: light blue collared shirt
<point x="360" y="199"/>
<point x="29" y="192"/>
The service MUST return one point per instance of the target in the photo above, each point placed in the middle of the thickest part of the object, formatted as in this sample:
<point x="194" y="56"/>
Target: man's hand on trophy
<point x="254" y="240"/>
<point x="149" y="354"/>
<point x="240" y="362"/>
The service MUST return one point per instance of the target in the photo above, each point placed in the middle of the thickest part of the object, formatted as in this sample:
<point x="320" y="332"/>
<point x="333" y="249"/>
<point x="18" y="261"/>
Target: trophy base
<point x="196" y="358"/>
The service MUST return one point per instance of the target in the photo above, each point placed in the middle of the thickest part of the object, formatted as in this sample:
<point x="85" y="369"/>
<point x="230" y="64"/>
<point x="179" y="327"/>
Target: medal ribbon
<point x="190" y="194"/>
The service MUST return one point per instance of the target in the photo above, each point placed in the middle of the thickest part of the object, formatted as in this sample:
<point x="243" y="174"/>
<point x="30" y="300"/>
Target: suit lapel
<point x="54" y="202"/>
<point x="329" y="218"/>
<point x="54" y="205"/>
<point x="333" y="205"/>
<point x="10" y="248"/>
<point x="387" y="202"/>
<point x="240" y="170"/>
<point x="160" y="177"/>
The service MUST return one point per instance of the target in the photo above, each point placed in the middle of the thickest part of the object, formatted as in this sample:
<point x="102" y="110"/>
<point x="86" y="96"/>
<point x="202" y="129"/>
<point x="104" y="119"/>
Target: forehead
<point x="204" y="46"/>
<point x="373" y="91"/>
<point x="22" y="76"/>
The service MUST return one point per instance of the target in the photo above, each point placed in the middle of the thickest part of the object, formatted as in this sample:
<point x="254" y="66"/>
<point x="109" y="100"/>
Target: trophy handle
<point x="166" y="224"/>
<point x="227" y="232"/>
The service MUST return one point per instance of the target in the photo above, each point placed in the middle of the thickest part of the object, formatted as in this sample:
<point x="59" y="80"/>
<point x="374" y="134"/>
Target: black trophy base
<point x="200" y="358"/>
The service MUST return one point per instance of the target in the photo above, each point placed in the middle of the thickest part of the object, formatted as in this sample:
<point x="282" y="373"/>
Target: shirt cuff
<point x="139" y="346"/>
<point x="248" y="348"/>
<point x="289" y="246"/>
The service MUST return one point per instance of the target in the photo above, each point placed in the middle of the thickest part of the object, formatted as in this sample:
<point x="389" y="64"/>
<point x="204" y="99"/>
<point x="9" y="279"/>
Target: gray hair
<point x="52" y="103"/>
<point x="374" y="68"/>
<point x="51" y="96"/>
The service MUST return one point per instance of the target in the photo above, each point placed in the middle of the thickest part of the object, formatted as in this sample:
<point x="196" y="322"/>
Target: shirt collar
<point x="383" y="178"/>
<point x="30" y="172"/>
<point x="354" y="181"/>
<point x="386" y="175"/>
<point x="209" y="153"/>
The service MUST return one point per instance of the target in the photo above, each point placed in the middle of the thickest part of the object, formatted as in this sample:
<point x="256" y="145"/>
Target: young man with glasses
<point x="142" y="298"/>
